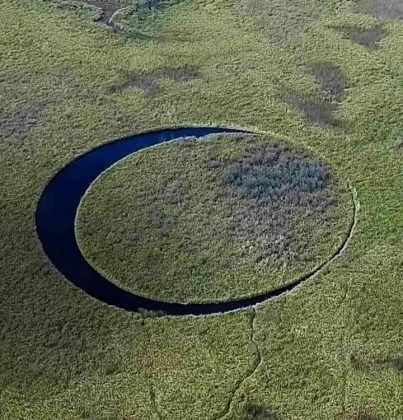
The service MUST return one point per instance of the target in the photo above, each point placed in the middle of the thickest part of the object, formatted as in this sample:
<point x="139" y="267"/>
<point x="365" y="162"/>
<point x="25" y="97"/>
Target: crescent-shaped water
<point x="55" y="222"/>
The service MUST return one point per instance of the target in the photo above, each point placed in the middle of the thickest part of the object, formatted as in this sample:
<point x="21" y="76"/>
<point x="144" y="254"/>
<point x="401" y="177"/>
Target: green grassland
<point x="220" y="219"/>
<point x="330" y="350"/>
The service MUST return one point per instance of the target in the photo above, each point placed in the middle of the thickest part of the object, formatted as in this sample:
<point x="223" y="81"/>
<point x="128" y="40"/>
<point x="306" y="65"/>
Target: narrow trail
<point x="255" y="367"/>
<point x="154" y="402"/>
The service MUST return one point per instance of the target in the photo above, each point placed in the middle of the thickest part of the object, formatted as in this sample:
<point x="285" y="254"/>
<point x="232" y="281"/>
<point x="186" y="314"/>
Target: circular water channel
<point x="55" y="222"/>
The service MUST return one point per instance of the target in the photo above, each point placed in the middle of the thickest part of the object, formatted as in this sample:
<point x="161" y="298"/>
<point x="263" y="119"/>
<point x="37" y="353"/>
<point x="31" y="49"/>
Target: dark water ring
<point x="55" y="223"/>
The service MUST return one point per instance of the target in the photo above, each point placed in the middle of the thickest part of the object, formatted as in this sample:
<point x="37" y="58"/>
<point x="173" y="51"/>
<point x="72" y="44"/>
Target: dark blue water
<point x="56" y="213"/>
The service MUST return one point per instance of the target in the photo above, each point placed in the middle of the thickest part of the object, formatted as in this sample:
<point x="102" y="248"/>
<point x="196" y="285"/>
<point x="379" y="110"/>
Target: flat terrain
<point x="326" y="76"/>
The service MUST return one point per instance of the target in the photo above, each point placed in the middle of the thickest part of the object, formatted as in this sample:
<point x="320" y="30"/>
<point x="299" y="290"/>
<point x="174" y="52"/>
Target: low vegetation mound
<point x="212" y="220"/>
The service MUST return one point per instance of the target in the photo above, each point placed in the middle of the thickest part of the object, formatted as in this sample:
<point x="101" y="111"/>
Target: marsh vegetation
<point x="65" y="355"/>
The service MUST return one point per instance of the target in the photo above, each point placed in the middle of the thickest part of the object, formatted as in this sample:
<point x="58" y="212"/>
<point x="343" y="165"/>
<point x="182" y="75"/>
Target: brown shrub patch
<point x="369" y="38"/>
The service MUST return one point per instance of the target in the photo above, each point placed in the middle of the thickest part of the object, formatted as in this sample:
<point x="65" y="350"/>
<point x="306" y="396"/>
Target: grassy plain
<point x="329" y="350"/>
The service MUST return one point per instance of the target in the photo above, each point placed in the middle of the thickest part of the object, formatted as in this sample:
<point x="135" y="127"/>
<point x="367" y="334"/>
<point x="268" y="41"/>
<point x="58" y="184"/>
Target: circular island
<point x="213" y="220"/>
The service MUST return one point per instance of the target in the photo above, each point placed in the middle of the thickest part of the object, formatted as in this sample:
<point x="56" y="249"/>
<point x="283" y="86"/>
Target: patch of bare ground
<point x="19" y="123"/>
<point x="383" y="10"/>
<point x="148" y="83"/>
<point x="369" y="38"/>
<point x="321" y="109"/>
